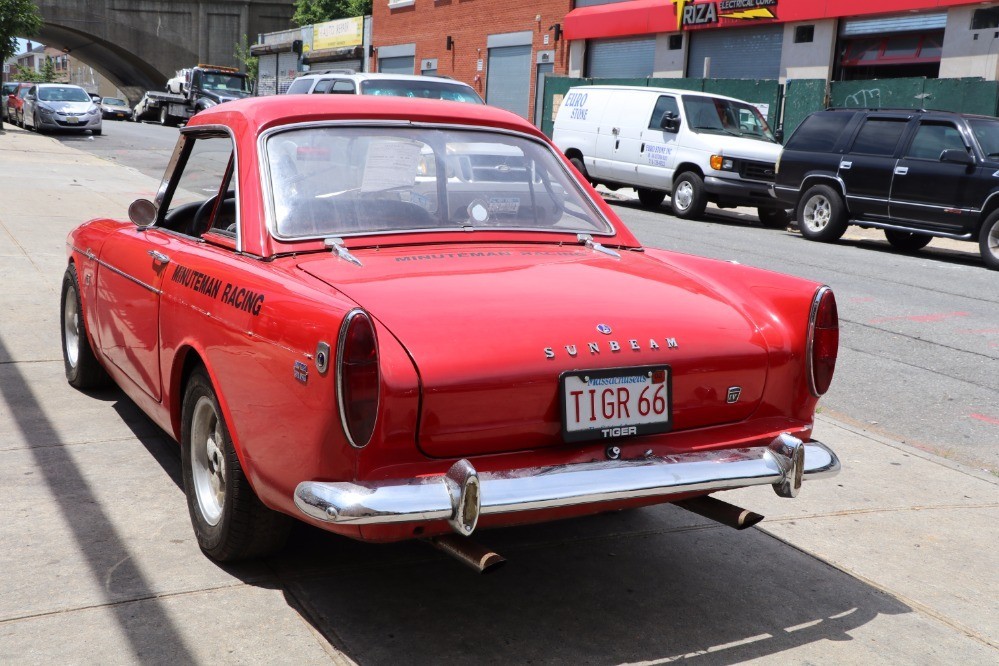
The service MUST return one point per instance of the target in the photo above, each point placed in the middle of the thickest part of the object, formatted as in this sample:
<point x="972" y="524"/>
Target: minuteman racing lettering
<point x="213" y="287"/>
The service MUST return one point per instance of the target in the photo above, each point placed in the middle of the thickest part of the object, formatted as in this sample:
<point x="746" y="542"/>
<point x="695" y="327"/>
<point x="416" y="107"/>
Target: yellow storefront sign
<point x="337" y="34"/>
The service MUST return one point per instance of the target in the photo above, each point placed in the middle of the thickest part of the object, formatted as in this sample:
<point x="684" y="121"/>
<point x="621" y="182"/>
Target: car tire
<point x="165" y="118"/>
<point x="650" y="198"/>
<point x="83" y="370"/>
<point x="230" y="522"/>
<point x="822" y="214"/>
<point x="97" y="132"/>
<point x="581" y="168"/>
<point x="988" y="241"/>
<point x="906" y="241"/>
<point x="688" y="198"/>
<point x="773" y="218"/>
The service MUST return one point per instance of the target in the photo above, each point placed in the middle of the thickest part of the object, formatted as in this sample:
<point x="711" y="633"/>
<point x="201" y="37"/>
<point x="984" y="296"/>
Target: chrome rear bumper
<point x="462" y="495"/>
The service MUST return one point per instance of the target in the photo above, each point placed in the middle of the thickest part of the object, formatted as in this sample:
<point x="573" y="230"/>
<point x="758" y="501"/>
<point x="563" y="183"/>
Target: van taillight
<point x="823" y="341"/>
<point x="358" y="384"/>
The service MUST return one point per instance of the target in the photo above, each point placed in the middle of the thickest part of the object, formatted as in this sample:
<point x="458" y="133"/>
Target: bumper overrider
<point x="462" y="495"/>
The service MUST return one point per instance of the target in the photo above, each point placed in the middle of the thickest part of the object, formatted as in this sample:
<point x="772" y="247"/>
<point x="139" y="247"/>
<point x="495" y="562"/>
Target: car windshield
<point x="113" y="101"/>
<point x="453" y="92"/>
<point x="338" y="181"/>
<point x="224" y="82"/>
<point x="712" y="115"/>
<point x="63" y="94"/>
<point x="986" y="132"/>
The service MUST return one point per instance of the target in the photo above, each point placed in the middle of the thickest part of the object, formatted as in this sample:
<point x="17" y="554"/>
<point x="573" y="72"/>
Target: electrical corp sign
<point x="690" y="14"/>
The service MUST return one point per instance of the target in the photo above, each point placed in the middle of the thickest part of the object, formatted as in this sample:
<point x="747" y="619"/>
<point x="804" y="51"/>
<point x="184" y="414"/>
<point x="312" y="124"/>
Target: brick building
<point x="501" y="50"/>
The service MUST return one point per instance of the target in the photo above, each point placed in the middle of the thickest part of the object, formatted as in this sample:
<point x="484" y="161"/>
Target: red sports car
<point x="396" y="318"/>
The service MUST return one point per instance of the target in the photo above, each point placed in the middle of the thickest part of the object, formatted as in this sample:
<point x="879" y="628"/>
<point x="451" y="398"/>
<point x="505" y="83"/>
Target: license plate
<point x="72" y="120"/>
<point x="619" y="402"/>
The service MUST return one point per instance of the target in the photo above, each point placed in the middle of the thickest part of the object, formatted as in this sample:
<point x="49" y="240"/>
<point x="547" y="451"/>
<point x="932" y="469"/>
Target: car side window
<point x="200" y="195"/>
<point x="665" y="104"/>
<point x="342" y="87"/>
<point x="322" y="86"/>
<point x="300" y="85"/>
<point x="932" y="139"/>
<point x="879" y="136"/>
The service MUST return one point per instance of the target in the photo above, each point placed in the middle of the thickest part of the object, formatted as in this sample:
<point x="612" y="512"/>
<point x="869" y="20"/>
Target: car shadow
<point x="653" y="584"/>
<point x="955" y="257"/>
<point x="724" y="216"/>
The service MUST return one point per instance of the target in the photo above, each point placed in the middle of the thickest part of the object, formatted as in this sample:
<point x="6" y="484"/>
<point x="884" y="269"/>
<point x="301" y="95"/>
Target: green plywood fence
<point x="970" y="95"/>
<point x="802" y="97"/>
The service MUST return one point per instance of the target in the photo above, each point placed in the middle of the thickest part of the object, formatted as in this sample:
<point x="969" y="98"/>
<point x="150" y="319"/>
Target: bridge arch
<point x="139" y="44"/>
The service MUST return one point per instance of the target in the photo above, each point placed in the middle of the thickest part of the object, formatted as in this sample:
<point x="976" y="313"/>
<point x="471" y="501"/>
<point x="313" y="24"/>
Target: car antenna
<point x="587" y="240"/>
<point x="336" y="244"/>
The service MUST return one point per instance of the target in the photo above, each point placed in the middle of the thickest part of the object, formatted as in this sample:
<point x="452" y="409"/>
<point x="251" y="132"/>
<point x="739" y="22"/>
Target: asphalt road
<point x="919" y="355"/>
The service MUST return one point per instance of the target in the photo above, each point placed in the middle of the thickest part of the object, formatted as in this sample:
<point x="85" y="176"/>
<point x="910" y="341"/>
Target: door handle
<point x="615" y="131"/>
<point x="159" y="257"/>
<point x="845" y="166"/>
<point x="901" y="171"/>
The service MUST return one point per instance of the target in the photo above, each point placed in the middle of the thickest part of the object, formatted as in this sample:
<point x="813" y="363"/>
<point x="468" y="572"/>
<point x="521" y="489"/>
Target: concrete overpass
<point x="139" y="44"/>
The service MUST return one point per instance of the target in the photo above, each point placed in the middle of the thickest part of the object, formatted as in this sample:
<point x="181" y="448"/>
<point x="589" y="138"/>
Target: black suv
<point x="916" y="174"/>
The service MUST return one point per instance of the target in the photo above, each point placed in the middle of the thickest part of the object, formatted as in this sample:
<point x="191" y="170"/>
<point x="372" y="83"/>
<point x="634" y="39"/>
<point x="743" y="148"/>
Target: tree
<point x="18" y="18"/>
<point x="250" y="63"/>
<point x="317" y="11"/>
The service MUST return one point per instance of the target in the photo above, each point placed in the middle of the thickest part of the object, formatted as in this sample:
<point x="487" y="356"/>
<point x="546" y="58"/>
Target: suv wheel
<point x="905" y="241"/>
<point x="688" y="196"/>
<point x="988" y="241"/>
<point x="822" y="214"/>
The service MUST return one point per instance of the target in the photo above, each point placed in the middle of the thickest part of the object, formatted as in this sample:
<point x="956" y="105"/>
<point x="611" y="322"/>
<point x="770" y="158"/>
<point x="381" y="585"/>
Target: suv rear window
<point x="818" y="132"/>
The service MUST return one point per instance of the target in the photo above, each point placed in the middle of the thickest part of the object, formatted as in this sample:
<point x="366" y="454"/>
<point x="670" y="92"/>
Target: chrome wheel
<point x="683" y="195"/>
<point x="71" y="328"/>
<point x="208" y="464"/>
<point x="817" y="213"/>
<point x="992" y="242"/>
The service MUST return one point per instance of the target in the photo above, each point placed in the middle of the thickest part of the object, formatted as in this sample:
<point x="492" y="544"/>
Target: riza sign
<point x="691" y="14"/>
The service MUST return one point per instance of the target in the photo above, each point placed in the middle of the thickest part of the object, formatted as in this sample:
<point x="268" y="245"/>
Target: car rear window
<point x="819" y="132"/>
<point x="337" y="181"/>
<point x="300" y="86"/>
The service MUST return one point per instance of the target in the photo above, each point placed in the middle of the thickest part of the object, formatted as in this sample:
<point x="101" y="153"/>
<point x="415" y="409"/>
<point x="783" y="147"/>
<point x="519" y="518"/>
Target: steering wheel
<point x="204" y="211"/>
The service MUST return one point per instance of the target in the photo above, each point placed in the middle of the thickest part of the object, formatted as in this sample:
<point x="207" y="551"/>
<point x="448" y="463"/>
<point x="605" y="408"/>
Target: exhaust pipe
<point x="719" y="511"/>
<point x="468" y="552"/>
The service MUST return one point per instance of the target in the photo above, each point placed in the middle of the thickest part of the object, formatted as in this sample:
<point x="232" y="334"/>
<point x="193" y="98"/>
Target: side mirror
<point x="670" y="122"/>
<point x="779" y="135"/>
<point x="142" y="212"/>
<point x="956" y="156"/>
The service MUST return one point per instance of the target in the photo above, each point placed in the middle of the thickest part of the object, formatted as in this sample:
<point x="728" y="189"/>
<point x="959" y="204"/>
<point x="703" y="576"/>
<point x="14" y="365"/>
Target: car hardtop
<point x="248" y="119"/>
<point x="358" y="77"/>
<point x="661" y="91"/>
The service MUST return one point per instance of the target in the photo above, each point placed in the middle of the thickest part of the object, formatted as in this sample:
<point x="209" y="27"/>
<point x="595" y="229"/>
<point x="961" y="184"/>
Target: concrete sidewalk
<point x="893" y="561"/>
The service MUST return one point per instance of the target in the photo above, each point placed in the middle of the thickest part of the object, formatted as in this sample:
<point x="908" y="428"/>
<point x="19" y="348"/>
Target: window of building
<point x="675" y="42"/>
<point x="804" y="34"/>
<point x="985" y="19"/>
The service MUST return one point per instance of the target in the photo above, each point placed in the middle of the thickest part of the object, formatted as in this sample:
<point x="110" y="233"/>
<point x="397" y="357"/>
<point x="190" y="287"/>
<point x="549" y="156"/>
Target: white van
<point x="694" y="146"/>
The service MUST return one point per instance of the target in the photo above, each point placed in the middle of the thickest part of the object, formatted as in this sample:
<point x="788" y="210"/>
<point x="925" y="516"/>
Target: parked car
<point x="59" y="106"/>
<point x="7" y="88"/>
<point x="144" y="110"/>
<point x="396" y="85"/>
<point x="916" y="174"/>
<point x="14" y="103"/>
<point x="115" y="109"/>
<point x="345" y="324"/>
<point x="694" y="146"/>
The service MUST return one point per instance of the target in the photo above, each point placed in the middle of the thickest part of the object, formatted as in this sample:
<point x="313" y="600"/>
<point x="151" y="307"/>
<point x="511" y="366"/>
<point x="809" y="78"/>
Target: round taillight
<point x="358" y="384"/>
<point x="823" y="341"/>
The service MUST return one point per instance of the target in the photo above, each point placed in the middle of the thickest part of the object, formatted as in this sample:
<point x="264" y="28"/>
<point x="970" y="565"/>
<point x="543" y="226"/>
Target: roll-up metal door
<point x="267" y="74"/>
<point x="326" y="65"/>
<point x="593" y="3"/>
<point x="398" y="65"/>
<point x="879" y="26"/>
<point x="508" y="79"/>
<point x="743" y="53"/>
<point x="620" y="58"/>
<point x="287" y="70"/>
